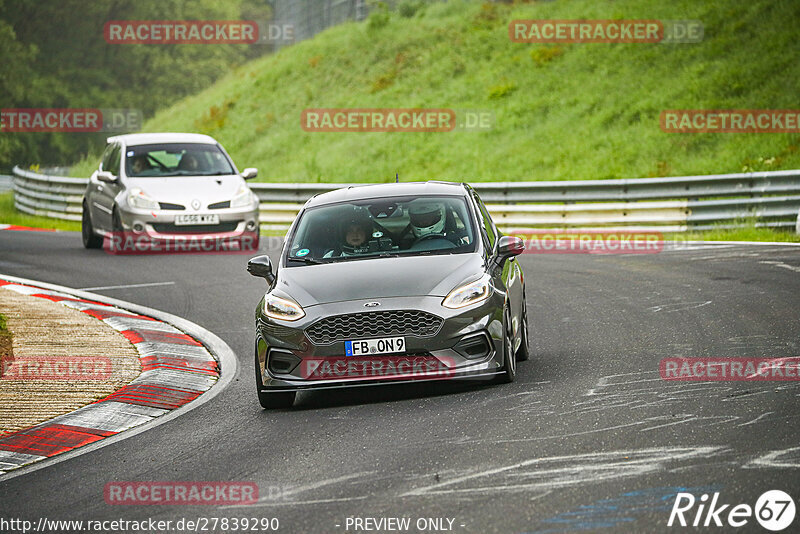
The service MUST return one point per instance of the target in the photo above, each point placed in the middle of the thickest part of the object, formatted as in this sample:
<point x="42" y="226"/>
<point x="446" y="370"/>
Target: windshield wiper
<point x="307" y="261"/>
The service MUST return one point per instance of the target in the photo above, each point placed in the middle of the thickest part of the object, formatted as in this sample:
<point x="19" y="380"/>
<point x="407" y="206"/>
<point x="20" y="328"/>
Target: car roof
<point x="362" y="192"/>
<point x="165" y="137"/>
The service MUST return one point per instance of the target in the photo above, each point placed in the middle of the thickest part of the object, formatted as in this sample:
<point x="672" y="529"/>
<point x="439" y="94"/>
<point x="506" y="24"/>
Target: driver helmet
<point x="356" y="232"/>
<point x="427" y="217"/>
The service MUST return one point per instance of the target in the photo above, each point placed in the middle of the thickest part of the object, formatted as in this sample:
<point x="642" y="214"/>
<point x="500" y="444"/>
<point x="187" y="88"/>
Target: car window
<point x="487" y="223"/>
<point x="382" y="227"/>
<point x="176" y="159"/>
<point x="110" y="160"/>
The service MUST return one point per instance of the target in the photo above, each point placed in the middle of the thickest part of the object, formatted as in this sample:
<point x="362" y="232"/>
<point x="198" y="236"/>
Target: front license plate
<point x="187" y="220"/>
<point x="385" y="345"/>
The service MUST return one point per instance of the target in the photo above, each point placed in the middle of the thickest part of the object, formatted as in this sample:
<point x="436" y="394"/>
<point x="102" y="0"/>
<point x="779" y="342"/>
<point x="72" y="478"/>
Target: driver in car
<point x="355" y="234"/>
<point x="140" y="164"/>
<point x="426" y="218"/>
<point x="428" y="221"/>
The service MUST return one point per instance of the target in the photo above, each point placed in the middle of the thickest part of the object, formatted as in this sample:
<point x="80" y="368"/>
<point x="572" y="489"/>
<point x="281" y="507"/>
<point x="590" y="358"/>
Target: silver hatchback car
<point x="163" y="186"/>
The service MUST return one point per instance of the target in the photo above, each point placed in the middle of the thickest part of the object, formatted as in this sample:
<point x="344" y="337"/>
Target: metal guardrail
<point x="6" y="183"/>
<point x="672" y="204"/>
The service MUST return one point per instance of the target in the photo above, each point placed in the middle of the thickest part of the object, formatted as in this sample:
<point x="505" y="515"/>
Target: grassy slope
<point x="576" y="111"/>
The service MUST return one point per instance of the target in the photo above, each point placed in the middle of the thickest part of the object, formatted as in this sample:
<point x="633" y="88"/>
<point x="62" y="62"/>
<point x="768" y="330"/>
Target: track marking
<point x="773" y="459"/>
<point x="561" y="471"/>
<point x="782" y="265"/>
<point x="756" y="419"/>
<point x="127" y="286"/>
<point x="680" y="306"/>
<point x="269" y="500"/>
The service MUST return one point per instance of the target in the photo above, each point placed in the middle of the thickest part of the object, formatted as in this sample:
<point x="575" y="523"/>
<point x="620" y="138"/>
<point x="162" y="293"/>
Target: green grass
<point x="746" y="233"/>
<point x="10" y="215"/>
<point x="563" y="112"/>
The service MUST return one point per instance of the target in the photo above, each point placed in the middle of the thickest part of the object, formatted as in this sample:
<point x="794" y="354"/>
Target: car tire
<point x="116" y="223"/>
<point x="510" y="367"/>
<point x="90" y="239"/>
<point x="271" y="401"/>
<point x="523" y="353"/>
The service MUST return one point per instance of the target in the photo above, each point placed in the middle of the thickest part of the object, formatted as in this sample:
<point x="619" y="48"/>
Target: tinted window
<point x="381" y="227"/>
<point x="176" y="159"/>
<point x="487" y="223"/>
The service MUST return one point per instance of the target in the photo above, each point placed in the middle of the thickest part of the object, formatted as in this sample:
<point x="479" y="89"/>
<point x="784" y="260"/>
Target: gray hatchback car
<point x="162" y="185"/>
<point x="389" y="283"/>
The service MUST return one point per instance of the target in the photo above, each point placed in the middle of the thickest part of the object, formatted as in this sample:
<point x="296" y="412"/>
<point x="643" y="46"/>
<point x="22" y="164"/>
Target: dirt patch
<point x="63" y="360"/>
<point x="6" y="352"/>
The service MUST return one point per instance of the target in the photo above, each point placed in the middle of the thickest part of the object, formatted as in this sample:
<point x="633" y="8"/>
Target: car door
<point x="511" y="274"/>
<point x="101" y="195"/>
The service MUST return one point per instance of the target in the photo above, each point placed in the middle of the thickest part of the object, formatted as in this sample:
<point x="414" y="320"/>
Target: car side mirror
<point x="249" y="173"/>
<point x="106" y="176"/>
<point x="509" y="246"/>
<point x="261" y="266"/>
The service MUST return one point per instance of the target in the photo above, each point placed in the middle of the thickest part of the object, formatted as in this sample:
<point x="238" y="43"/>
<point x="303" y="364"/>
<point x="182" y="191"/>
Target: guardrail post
<point x="797" y="224"/>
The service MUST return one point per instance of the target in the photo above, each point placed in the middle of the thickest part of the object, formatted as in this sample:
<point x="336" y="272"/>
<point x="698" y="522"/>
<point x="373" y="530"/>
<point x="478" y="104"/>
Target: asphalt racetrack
<point x="588" y="437"/>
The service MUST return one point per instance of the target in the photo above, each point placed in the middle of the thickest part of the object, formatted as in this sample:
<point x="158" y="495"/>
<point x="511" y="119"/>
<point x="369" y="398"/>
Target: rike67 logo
<point x="774" y="510"/>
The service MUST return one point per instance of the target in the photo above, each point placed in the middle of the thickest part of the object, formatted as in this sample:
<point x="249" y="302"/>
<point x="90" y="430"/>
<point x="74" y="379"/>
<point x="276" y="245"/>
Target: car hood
<point x="435" y="275"/>
<point x="184" y="189"/>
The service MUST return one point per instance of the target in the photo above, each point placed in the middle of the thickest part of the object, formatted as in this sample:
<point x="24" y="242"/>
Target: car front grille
<point x="170" y="206"/>
<point x="169" y="228"/>
<point x="373" y="324"/>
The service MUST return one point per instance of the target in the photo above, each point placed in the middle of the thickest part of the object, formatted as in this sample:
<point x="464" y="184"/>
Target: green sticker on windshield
<point x="302" y="252"/>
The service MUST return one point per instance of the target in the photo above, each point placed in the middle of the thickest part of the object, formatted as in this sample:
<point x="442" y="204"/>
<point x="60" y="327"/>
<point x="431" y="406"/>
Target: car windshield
<point x="382" y="227"/>
<point x="176" y="159"/>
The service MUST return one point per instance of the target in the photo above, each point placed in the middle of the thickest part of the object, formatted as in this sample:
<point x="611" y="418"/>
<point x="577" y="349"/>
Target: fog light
<point x="474" y="346"/>
<point x="138" y="228"/>
<point x="251" y="225"/>
<point x="281" y="362"/>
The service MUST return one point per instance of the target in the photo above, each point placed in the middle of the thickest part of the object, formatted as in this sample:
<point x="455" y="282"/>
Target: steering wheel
<point x="161" y="165"/>
<point x="432" y="236"/>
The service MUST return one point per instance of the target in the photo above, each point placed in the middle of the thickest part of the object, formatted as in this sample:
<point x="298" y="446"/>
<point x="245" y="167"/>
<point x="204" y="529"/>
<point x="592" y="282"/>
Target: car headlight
<point x="468" y="294"/>
<point x="243" y="198"/>
<point x="141" y="200"/>
<point x="284" y="309"/>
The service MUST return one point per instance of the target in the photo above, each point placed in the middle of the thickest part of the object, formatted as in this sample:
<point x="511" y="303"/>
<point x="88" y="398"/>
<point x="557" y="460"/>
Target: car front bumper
<point x="445" y="352"/>
<point x="160" y="224"/>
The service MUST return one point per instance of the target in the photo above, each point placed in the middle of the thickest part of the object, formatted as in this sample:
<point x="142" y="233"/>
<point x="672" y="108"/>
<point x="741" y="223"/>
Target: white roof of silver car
<point x="154" y="138"/>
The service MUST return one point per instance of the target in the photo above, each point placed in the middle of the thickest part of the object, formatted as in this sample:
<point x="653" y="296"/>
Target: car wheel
<point x="523" y="352"/>
<point x="510" y="367"/>
<point x="270" y="401"/>
<point x="90" y="239"/>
